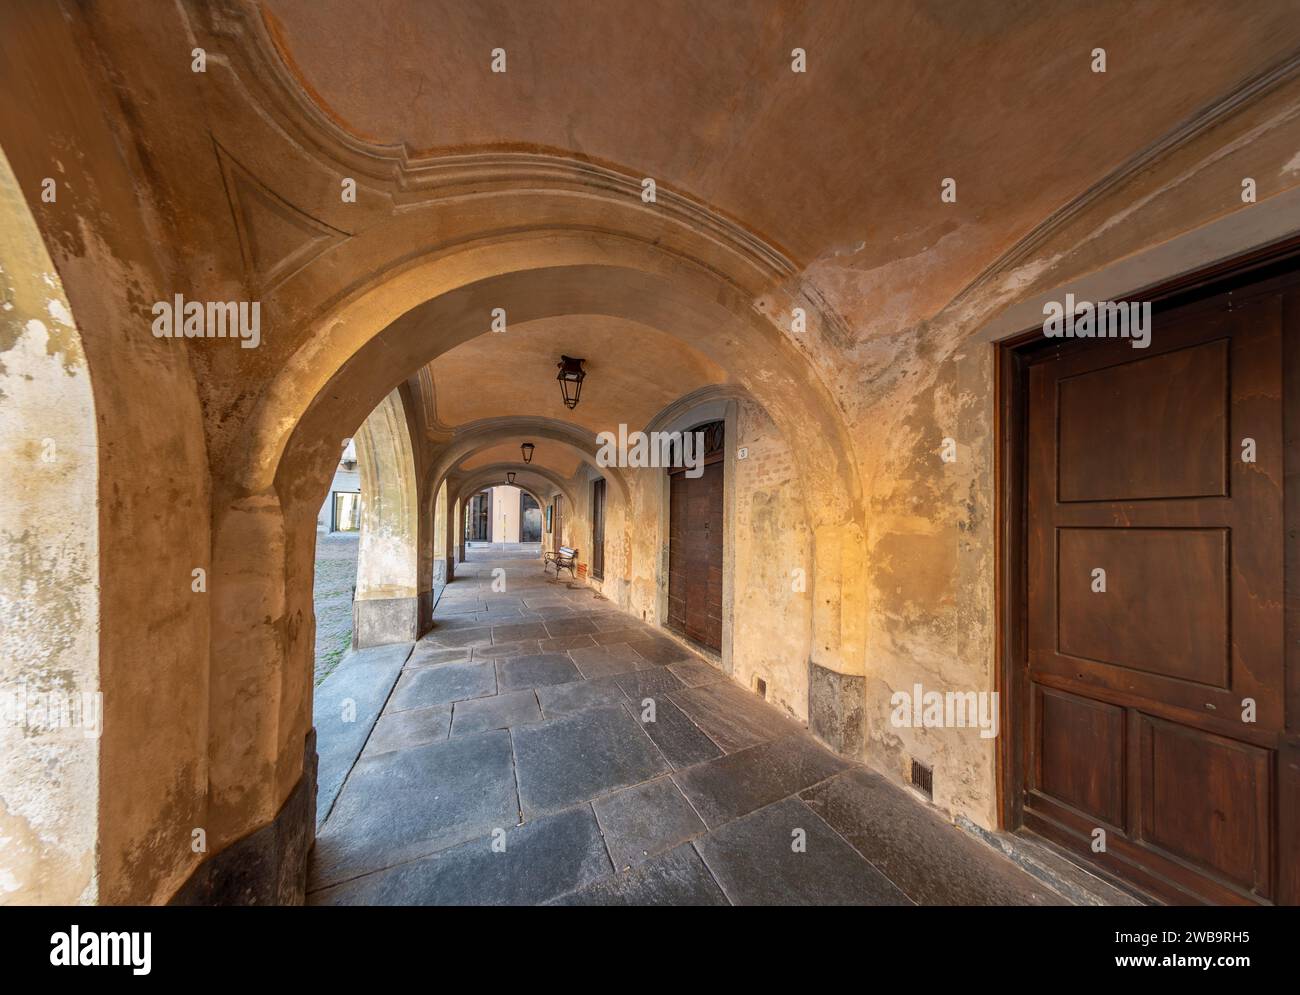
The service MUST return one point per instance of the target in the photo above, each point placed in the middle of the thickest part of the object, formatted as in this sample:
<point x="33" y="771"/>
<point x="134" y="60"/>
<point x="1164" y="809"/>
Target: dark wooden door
<point x="695" y="556"/>
<point x="558" y="539"/>
<point x="476" y="518"/>
<point x="1154" y="703"/>
<point x="598" y="528"/>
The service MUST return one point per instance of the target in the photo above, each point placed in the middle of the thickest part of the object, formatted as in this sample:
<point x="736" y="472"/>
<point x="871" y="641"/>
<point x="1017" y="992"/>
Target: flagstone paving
<point x="541" y="747"/>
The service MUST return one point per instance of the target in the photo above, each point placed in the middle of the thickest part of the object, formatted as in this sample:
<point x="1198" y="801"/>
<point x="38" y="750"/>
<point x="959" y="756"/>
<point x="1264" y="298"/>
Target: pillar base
<point x="381" y="621"/>
<point x="269" y="865"/>
<point x="836" y="712"/>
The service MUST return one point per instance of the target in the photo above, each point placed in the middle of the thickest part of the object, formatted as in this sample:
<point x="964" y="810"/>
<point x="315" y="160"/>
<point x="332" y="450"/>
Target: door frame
<point x="1011" y="362"/>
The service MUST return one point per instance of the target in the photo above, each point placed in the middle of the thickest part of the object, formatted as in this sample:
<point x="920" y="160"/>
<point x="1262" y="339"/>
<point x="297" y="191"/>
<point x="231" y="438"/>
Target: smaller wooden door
<point x="695" y="521"/>
<point x="598" y="528"/>
<point x="559" y="521"/>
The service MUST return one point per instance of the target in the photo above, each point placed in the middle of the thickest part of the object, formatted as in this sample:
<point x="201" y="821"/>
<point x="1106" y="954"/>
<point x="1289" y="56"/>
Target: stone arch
<point x="49" y="579"/>
<point x="392" y="601"/>
<point x="399" y="317"/>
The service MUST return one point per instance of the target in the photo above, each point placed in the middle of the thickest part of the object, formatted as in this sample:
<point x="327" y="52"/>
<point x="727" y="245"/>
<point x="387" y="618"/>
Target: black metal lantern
<point x="571" y="376"/>
<point x="510" y="476"/>
<point x="527" y="449"/>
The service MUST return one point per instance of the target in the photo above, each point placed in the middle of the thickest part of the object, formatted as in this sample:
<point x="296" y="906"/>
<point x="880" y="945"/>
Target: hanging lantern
<point x="510" y="477"/>
<point x="527" y="449"/>
<point x="571" y="376"/>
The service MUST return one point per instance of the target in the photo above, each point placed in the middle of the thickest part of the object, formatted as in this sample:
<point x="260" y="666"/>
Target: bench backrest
<point x="567" y="552"/>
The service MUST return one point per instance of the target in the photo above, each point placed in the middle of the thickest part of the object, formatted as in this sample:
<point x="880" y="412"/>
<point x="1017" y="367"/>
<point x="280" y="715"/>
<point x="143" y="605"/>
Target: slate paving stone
<point x="931" y="860"/>
<point x="501" y="711"/>
<point x="500" y="651"/>
<point x="443" y="684"/>
<point x="413" y="727"/>
<point x="756" y="863"/>
<point x="480" y="636"/>
<point x="661" y="651"/>
<point x="541" y="860"/>
<point x="565" y="699"/>
<point x="562" y="644"/>
<point x="642" y="684"/>
<point x="696" y="673"/>
<point x="675" y="878"/>
<point x="515" y="631"/>
<point x="603" y="637"/>
<point x="733" y="717"/>
<point x="622" y="621"/>
<point x="738" y="783"/>
<point x="645" y="820"/>
<point x="541" y="670"/>
<point x="604" y="661"/>
<point x="431" y="655"/>
<point x="581" y="756"/>
<point x="679" y="739"/>
<point x="556" y="627"/>
<point x="407" y="803"/>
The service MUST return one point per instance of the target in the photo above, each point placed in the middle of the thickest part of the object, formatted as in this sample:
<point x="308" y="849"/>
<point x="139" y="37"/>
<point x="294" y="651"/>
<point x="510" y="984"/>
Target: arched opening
<point x="51" y="704"/>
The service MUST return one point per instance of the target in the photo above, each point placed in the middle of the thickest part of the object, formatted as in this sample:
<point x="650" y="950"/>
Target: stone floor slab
<point x="580" y="757"/>
<point x="930" y="859"/>
<point x="675" y="878"/>
<point x="404" y="804"/>
<point x="642" y="684"/>
<point x="696" y="673"/>
<point x="443" y="685"/>
<point x="606" y="661"/>
<point x="679" y="739"/>
<point x="565" y="699"/>
<point x="645" y="820"/>
<point x="738" y="783"/>
<point x="733" y="717"/>
<point x="412" y="727"/>
<point x="756" y="862"/>
<point x="500" y="711"/>
<point x="541" y="670"/>
<point x="539" y="861"/>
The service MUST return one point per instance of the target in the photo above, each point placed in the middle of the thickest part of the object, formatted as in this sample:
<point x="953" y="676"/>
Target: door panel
<point x="1154" y="575"/>
<point x="695" y="555"/>
<point x="598" y="529"/>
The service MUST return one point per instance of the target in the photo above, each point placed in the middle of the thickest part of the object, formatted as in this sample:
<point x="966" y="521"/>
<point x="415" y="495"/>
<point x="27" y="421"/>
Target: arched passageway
<point x="415" y="272"/>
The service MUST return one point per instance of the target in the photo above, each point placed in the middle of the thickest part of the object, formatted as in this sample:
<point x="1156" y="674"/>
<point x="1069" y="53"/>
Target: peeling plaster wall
<point x="116" y="253"/>
<point x="49" y="580"/>
<point x="773" y="558"/>
<point x="931" y="536"/>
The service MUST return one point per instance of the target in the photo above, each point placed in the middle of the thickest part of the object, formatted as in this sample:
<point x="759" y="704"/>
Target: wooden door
<point x="1153" y="710"/>
<point x="695" y="556"/>
<point x="598" y="528"/>
<point x="558" y="539"/>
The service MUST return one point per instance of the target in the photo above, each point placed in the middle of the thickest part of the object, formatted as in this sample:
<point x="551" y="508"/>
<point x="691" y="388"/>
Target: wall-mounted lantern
<point x="527" y="449"/>
<point x="510" y="476"/>
<point x="571" y="376"/>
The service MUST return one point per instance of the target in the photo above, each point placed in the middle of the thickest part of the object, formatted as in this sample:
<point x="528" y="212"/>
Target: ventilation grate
<point x="923" y="778"/>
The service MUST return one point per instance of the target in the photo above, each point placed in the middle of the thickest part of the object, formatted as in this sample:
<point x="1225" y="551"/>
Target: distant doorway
<point x="530" y="518"/>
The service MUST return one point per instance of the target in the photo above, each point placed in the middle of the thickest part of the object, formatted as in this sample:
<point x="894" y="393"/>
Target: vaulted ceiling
<point x="839" y="166"/>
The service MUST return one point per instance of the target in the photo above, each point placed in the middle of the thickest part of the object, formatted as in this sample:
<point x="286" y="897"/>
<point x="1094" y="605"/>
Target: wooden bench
<point x="564" y="558"/>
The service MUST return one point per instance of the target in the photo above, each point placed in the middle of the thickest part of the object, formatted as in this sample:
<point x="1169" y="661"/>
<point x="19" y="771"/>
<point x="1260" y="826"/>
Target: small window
<point x="347" y="511"/>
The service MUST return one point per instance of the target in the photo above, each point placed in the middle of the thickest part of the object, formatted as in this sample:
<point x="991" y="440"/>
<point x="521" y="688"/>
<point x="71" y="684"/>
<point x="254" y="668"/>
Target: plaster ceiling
<point x="840" y="166"/>
<point x="549" y="455"/>
<point x="633" y="372"/>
